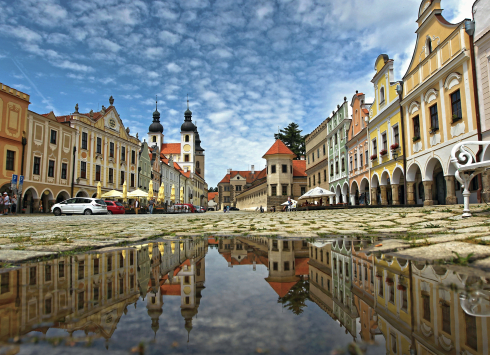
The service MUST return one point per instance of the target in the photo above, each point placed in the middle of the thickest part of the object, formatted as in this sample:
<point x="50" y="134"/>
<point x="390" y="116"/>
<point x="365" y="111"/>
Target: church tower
<point x="155" y="132"/>
<point x="199" y="155"/>
<point x="187" y="141"/>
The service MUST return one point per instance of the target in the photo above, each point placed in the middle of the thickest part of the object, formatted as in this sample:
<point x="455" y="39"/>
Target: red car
<point x="114" y="207"/>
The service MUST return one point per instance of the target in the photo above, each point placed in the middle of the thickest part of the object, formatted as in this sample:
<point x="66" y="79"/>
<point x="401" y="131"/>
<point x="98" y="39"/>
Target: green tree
<point x="295" y="300"/>
<point x="291" y="136"/>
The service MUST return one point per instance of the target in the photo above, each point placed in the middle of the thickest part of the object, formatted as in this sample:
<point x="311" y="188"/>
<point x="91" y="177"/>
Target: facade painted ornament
<point x="414" y="107"/>
<point x="452" y="80"/>
<point x="431" y="95"/>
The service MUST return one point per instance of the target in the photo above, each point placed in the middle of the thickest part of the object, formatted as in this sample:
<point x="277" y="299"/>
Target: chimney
<point x="229" y="171"/>
<point x="185" y="169"/>
<point x="302" y="157"/>
<point x="253" y="169"/>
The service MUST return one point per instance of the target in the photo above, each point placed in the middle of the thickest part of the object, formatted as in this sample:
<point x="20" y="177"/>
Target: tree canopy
<point x="295" y="300"/>
<point x="291" y="136"/>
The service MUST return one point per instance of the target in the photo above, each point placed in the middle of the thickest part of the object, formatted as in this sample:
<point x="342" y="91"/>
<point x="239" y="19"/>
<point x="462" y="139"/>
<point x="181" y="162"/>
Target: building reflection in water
<point x="412" y="307"/>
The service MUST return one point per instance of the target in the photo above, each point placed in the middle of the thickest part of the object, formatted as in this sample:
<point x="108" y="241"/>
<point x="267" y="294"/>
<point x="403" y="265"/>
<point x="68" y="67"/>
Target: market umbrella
<point x="113" y="193"/>
<point x="317" y="192"/>
<point x="125" y="192"/>
<point x="182" y="194"/>
<point x="172" y="194"/>
<point x="150" y="190"/>
<point x="287" y="202"/>
<point x="137" y="193"/>
<point x="161" y="192"/>
<point x="99" y="189"/>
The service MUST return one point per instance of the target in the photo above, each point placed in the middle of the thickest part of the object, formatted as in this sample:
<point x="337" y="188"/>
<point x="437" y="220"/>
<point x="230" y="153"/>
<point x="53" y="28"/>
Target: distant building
<point x="283" y="177"/>
<point x="212" y="200"/>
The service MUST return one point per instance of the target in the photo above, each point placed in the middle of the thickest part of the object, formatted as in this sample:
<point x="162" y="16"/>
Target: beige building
<point x="282" y="177"/>
<point x="48" y="162"/>
<point x="317" y="157"/>
<point x="105" y="151"/>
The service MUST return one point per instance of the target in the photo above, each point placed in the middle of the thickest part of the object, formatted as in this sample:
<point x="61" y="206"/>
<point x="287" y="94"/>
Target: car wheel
<point x="87" y="212"/>
<point x="109" y="212"/>
<point x="57" y="212"/>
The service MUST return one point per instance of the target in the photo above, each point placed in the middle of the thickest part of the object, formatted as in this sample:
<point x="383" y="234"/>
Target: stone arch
<point x="338" y="193"/>
<point x="412" y="172"/>
<point x="375" y="180"/>
<point x="32" y="191"/>
<point x="82" y="193"/>
<point x="430" y="166"/>
<point x="30" y="200"/>
<point x="354" y="187"/>
<point x="62" y="196"/>
<point x="345" y="188"/>
<point x="46" y="200"/>
<point x="94" y="195"/>
<point x="385" y="176"/>
<point x="364" y="184"/>
<point x="397" y="175"/>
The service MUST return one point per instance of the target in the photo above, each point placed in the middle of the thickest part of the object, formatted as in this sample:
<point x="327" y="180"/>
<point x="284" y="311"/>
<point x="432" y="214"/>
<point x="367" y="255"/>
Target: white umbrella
<point x="287" y="202"/>
<point x="113" y="193"/>
<point x="316" y="193"/>
<point x="137" y="193"/>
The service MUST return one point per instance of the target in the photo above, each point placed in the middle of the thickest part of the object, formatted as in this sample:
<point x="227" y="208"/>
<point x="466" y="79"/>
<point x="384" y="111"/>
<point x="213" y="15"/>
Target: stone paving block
<point x="390" y="230"/>
<point x="381" y="223"/>
<point x="480" y="229"/>
<point x="410" y="220"/>
<point x="444" y="251"/>
<point x="16" y="256"/>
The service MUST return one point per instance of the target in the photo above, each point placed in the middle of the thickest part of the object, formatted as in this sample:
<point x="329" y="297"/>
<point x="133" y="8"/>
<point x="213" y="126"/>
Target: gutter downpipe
<point x="73" y="171"/>
<point x="21" y="197"/>
<point x="470" y="30"/>
<point x="403" y="143"/>
<point x="369" y="163"/>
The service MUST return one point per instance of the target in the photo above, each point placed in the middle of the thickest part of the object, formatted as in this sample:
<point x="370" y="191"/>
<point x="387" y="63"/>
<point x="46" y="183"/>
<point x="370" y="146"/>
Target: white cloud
<point x="173" y="68"/>
<point x="103" y="44"/>
<point x="169" y="38"/>
<point x="20" y="32"/>
<point x="66" y="64"/>
<point x="263" y="11"/>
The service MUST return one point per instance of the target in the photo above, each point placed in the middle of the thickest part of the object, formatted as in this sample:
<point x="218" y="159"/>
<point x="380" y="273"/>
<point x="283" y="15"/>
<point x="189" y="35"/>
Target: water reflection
<point x="407" y="307"/>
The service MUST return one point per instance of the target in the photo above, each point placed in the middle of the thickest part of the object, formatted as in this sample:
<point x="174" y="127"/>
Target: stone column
<point x="384" y="197"/>
<point x="353" y="200"/>
<point x="450" y="190"/>
<point x="35" y="205"/>
<point x="485" y="176"/>
<point x="374" y="198"/>
<point x="411" y="193"/>
<point x="394" y="194"/>
<point x="428" y="193"/>
<point x="330" y="200"/>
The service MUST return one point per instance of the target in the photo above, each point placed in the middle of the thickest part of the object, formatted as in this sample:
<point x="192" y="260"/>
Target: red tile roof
<point x="213" y="240"/>
<point x="211" y="195"/>
<point x="301" y="266"/>
<point x="170" y="148"/>
<point x="247" y="174"/>
<point x="365" y="110"/>
<point x="279" y="148"/>
<point x="299" y="167"/>
<point x="282" y="288"/>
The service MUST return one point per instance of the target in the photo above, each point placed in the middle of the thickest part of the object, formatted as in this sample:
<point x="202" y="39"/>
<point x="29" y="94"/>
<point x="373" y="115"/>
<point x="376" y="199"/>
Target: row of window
<point x="83" y="174"/>
<point x="98" y="147"/>
<point x="284" y="169"/>
<point x="36" y="168"/>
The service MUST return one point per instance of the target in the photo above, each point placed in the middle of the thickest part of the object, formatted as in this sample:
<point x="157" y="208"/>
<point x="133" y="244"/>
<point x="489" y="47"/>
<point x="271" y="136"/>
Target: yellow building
<point x="438" y="107"/>
<point x="13" y="115"/>
<point x="105" y="152"/>
<point x="385" y="137"/>
<point x="392" y="301"/>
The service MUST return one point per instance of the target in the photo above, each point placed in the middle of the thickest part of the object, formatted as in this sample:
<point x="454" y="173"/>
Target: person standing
<point x="150" y="205"/>
<point x="13" y="206"/>
<point x="136" y="206"/>
<point x="2" y="206"/>
<point x="6" y="202"/>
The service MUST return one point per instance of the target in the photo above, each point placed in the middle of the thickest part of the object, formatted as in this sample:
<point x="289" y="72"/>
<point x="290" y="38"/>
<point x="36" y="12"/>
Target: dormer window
<point x="381" y="95"/>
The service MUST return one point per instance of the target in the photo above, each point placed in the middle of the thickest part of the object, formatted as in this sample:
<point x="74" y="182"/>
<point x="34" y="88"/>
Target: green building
<point x="144" y="172"/>
<point x="338" y="126"/>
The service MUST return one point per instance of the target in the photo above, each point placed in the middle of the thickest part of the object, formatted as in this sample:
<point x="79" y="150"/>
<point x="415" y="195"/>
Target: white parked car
<point x="80" y="205"/>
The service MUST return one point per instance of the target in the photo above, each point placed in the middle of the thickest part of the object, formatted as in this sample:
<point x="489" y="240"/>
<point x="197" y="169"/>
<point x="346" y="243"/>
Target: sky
<point x="248" y="66"/>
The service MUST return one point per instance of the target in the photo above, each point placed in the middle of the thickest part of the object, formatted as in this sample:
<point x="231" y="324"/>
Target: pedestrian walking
<point x="150" y="205"/>
<point x="6" y="202"/>
<point x="13" y="205"/>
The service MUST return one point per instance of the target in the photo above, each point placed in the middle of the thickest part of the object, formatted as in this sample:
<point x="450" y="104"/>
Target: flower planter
<point x="394" y="146"/>
<point x="383" y="152"/>
<point x="456" y="119"/>
<point x="374" y="156"/>
<point x="401" y="288"/>
<point x="414" y="139"/>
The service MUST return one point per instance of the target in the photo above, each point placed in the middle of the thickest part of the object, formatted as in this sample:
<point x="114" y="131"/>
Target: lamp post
<point x="399" y="91"/>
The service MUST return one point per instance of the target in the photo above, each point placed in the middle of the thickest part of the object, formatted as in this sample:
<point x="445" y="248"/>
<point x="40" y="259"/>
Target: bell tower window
<point x="154" y="139"/>
<point x="187" y="138"/>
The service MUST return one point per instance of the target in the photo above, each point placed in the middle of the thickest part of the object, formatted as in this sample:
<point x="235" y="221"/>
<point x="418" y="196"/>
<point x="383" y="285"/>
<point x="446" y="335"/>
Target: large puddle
<point x="243" y="296"/>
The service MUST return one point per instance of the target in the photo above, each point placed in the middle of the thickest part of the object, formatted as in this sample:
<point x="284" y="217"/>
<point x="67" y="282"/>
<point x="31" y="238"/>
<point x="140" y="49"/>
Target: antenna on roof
<point x="156" y="102"/>
<point x="187" y="101"/>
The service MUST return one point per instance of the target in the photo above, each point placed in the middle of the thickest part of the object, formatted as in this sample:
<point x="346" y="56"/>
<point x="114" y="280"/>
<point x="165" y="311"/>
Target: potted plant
<point x="401" y="288"/>
<point x="382" y="152"/>
<point x="433" y="130"/>
<point x="456" y="118"/>
<point x="394" y="146"/>
<point x="374" y="156"/>
<point x="389" y="281"/>
<point x="414" y="139"/>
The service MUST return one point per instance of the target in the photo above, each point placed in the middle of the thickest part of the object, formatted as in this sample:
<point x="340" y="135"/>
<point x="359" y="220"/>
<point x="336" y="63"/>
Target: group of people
<point x="7" y="204"/>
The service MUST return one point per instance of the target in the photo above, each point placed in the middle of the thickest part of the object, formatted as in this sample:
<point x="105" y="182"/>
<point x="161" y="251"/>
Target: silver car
<point x="80" y="205"/>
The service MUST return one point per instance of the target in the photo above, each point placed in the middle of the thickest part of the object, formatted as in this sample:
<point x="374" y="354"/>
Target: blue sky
<point x="248" y="66"/>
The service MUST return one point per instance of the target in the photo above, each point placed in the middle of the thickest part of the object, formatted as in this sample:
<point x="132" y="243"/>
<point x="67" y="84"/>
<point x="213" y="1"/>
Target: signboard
<point x="21" y="182"/>
<point x="13" y="184"/>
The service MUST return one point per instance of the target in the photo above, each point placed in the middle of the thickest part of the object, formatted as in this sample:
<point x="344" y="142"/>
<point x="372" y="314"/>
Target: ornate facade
<point x="438" y="106"/>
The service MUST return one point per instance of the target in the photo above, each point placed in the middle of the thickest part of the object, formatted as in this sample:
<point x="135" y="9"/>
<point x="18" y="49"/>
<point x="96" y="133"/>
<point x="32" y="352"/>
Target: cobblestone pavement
<point x="430" y="233"/>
